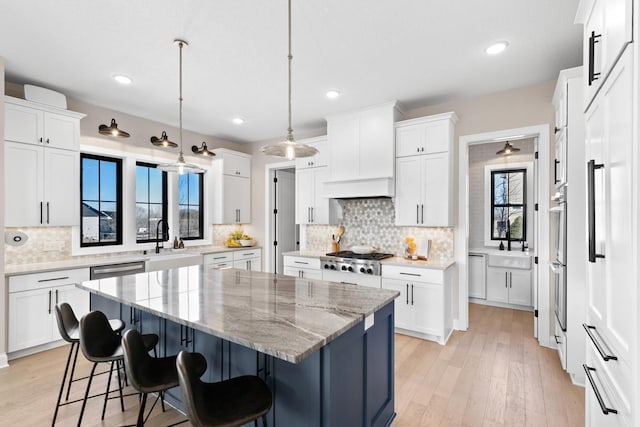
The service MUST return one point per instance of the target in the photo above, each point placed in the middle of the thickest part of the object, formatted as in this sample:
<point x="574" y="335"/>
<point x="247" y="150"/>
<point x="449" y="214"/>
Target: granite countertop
<point x="285" y="317"/>
<point x="90" y="261"/>
<point x="436" y="264"/>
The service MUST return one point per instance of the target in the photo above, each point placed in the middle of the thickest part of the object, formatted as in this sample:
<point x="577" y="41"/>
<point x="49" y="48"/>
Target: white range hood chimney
<point x="362" y="153"/>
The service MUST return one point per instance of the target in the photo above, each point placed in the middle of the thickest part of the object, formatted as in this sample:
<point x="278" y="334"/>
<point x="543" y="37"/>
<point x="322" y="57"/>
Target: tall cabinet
<point x="231" y="183"/>
<point x="424" y="171"/>
<point x="612" y="155"/>
<point x="41" y="150"/>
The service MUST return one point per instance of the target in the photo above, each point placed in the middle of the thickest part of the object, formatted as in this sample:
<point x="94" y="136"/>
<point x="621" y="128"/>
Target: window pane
<point x="516" y="188"/>
<point x="89" y="179"/>
<point x="155" y="215"/>
<point x="142" y="184"/>
<point x="108" y="182"/>
<point x="500" y="188"/>
<point x="108" y="222"/>
<point x="155" y="185"/>
<point x="516" y="218"/>
<point x="499" y="223"/>
<point x="183" y="189"/>
<point x="194" y="189"/>
<point x="142" y="221"/>
<point x="184" y="221"/>
<point x="194" y="222"/>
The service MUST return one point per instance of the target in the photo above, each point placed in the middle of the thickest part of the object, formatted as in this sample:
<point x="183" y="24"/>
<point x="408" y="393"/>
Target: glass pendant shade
<point x="163" y="141"/>
<point x="508" y="149"/>
<point x="112" y="130"/>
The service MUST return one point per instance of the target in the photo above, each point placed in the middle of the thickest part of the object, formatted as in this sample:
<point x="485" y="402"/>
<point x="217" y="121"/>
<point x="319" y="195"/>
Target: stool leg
<point x="162" y="400"/>
<point x="86" y="393"/>
<point x="106" y="394"/>
<point x="264" y="420"/>
<point x="140" y="421"/>
<point x="120" y="363"/>
<point x="73" y="369"/>
<point x="64" y="378"/>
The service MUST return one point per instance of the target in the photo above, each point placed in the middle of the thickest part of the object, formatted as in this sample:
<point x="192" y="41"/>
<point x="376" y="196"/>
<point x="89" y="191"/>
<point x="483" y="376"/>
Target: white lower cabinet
<point x="32" y="298"/>
<point x="477" y="276"/>
<point x="509" y="286"/>
<point x="303" y="267"/>
<point x="250" y="259"/>
<point x="423" y="308"/>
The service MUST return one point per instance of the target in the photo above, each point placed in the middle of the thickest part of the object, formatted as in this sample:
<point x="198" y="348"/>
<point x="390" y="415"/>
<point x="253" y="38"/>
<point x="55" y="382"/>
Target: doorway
<point x="282" y="231"/>
<point x="541" y="294"/>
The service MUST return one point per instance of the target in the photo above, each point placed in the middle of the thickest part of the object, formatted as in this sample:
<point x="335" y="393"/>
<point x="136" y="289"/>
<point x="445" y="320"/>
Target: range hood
<point x="362" y="153"/>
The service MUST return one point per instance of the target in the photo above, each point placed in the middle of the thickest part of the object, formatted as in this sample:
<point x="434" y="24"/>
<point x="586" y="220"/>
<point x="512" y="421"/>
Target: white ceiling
<point x="418" y="52"/>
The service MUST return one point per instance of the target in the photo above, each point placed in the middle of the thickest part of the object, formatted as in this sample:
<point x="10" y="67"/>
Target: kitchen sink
<point x="164" y="261"/>
<point x="510" y="260"/>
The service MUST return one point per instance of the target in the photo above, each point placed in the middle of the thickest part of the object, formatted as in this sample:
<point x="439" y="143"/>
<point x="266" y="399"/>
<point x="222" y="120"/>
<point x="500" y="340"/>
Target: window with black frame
<point x="190" y="206"/>
<point x="101" y="200"/>
<point x="151" y="201"/>
<point x="509" y="204"/>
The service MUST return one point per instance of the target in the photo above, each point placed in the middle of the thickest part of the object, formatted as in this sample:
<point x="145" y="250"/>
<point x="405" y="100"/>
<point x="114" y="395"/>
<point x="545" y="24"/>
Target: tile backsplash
<point x="372" y="222"/>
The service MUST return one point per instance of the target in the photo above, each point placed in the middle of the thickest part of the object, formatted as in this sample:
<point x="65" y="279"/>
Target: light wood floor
<point x="494" y="374"/>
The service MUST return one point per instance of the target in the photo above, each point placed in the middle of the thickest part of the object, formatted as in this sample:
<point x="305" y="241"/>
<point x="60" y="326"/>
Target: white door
<point x="408" y="190"/>
<point x="61" y="131"/>
<point x="304" y="195"/>
<point x="477" y="276"/>
<point x="403" y="312"/>
<point x="23" y="124"/>
<point x="30" y="318"/>
<point x="434" y="209"/>
<point x="61" y="187"/>
<point x="427" y="302"/>
<point x="285" y="222"/>
<point x="520" y="287"/>
<point x="23" y="174"/>
<point x="497" y="284"/>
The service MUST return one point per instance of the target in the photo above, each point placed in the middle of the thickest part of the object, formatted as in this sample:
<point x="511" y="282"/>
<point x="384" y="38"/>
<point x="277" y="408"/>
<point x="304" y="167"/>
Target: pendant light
<point x="112" y="130"/>
<point x="163" y="141"/>
<point x="180" y="166"/>
<point x="289" y="148"/>
<point x="202" y="150"/>
<point x="508" y="149"/>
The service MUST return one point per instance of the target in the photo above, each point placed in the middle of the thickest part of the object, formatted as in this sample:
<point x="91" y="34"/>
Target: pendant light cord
<point x="290" y="57"/>
<point x="180" y="43"/>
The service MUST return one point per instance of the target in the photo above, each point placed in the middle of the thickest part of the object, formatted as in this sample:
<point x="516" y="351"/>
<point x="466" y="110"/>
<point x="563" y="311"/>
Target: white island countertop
<point x="282" y="316"/>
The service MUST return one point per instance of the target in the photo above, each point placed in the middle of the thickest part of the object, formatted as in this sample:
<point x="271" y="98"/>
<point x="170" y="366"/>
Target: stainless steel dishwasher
<point x="114" y="270"/>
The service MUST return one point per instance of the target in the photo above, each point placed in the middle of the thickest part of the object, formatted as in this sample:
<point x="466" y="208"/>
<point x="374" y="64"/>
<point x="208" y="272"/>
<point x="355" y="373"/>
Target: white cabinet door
<point x="435" y="137"/>
<point x="408" y="190"/>
<point x="403" y="313"/>
<point x="61" y="187"/>
<point x="497" y="284"/>
<point x="520" y="287"/>
<point x="477" y="276"/>
<point x="236" y="200"/>
<point x="427" y="303"/>
<point x="236" y="165"/>
<point x="30" y="314"/>
<point x="304" y="273"/>
<point x="560" y="162"/>
<point x="344" y="134"/>
<point x="408" y="140"/>
<point x="61" y="131"/>
<point x="320" y="159"/>
<point x="23" y="124"/>
<point x="24" y="193"/>
<point x="304" y="195"/>
<point x="435" y="206"/>
<point x="253" y="264"/>
<point x="376" y="143"/>
<point x="77" y="298"/>
<point x="320" y="206"/>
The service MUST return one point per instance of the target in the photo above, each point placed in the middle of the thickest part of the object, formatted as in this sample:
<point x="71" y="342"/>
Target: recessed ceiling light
<point x="238" y="120"/>
<point x="122" y="79"/>
<point x="333" y="94"/>
<point x="496" y="48"/>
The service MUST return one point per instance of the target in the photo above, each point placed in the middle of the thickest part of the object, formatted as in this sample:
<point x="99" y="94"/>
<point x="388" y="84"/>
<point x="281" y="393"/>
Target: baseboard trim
<point x="4" y="360"/>
<point x="457" y="325"/>
<point x="500" y="304"/>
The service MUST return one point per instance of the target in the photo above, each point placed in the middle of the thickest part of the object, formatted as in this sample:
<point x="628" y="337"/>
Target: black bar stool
<point x="100" y="344"/>
<point x="152" y="374"/>
<point x="68" y="327"/>
<point x="228" y="403"/>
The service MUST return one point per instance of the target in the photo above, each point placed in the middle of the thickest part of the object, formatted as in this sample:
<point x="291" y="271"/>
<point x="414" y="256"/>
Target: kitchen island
<point x="324" y="349"/>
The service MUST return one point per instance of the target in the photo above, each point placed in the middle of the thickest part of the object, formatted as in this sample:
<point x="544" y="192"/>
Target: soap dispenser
<point x="175" y="242"/>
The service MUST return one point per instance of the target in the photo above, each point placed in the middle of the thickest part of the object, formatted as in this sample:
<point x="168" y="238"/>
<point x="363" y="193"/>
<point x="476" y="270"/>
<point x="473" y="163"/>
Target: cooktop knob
<point x="350" y="269"/>
<point x="344" y="268"/>
<point x="369" y="271"/>
<point x="362" y="270"/>
<point x="326" y="266"/>
<point x="333" y="267"/>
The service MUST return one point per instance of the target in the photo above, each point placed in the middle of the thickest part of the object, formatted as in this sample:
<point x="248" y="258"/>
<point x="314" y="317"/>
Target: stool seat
<point x="232" y="402"/>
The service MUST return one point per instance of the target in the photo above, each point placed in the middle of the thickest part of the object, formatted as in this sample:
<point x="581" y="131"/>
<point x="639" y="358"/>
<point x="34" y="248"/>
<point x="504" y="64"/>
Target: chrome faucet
<point x="165" y="229"/>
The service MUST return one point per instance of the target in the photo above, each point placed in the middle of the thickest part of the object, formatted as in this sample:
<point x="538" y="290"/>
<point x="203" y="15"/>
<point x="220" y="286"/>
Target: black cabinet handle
<point x="591" y="208"/>
<point x="40" y="139"/>
<point x="52" y="279"/>
<point x="555" y="171"/>
<point x="422" y="209"/>
<point x="556" y="129"/>
<point x="556" y="338"/>
<point x="47" y="140"/>
<point x="57" y="296"/>
<point x="506" y="279"/>
<point x="411" y="294"/>
<point x="605" y="357"/>
<point x="49" y="301"/>
<point x="47" y="212"/>
<point x="593" y="76"/>
<point x="40" y="212"/>
<point x="418" y="214"/>
<point x="407" y="294"/>
<point x="605" y="410"/>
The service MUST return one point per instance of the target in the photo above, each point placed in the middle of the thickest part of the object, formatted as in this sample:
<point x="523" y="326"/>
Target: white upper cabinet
<point x="230" y="183"/>
<point x="424" y="190"/>
<point x="320" y="159"/>
<point x="607" y="30"/>
<point x="311" y="206"/>
<point x="61" y="205"/>
<point x="31" y="123"/>
<point x="24" y="184"/>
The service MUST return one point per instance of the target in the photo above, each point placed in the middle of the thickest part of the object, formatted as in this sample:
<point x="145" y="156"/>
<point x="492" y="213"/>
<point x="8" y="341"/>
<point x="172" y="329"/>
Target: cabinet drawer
<point x="222" y="257"/>
<point x="50" y="279"/>
<point x="561" y="344"/>
<point x="612" y="396"/>
<point x="246" y="254"/>
<point x="413" y="273"/>
<point x="302" y="262"/>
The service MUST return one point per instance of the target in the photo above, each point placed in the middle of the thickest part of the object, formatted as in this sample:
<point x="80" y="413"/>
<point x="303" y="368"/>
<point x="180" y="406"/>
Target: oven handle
<point x="591" y="208"/>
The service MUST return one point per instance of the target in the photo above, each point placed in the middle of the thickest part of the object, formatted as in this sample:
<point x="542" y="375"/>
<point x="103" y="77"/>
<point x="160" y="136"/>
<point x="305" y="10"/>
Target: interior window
<point x="190" y="206"/>
<point x="151" y="201"/>
<point x="101" y="203"/>
<point x="509" y="204"/>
